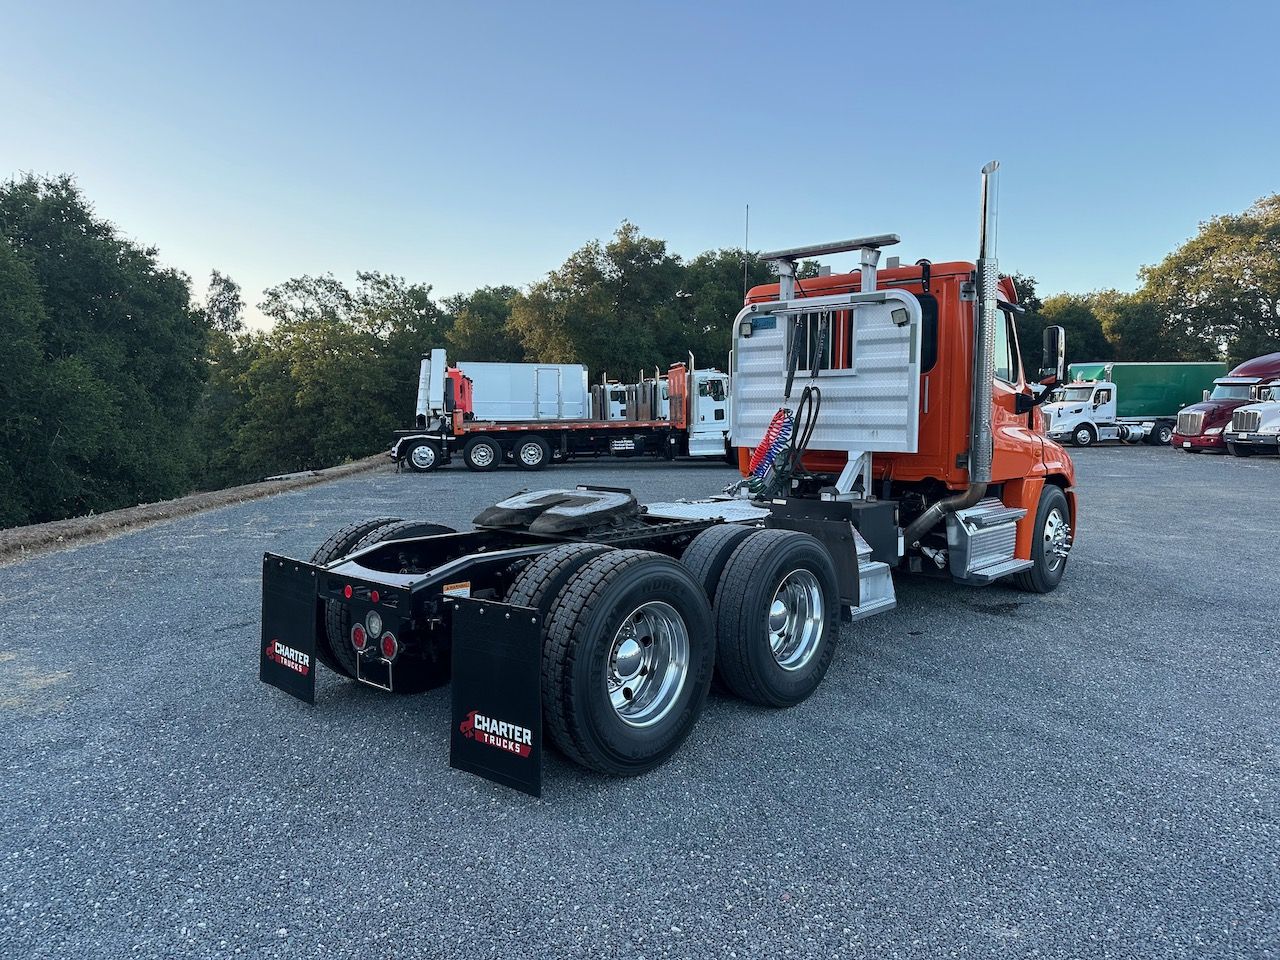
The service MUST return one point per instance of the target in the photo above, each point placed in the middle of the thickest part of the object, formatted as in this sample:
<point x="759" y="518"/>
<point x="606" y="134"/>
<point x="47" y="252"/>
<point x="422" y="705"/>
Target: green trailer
<point x="1124" y="401"/>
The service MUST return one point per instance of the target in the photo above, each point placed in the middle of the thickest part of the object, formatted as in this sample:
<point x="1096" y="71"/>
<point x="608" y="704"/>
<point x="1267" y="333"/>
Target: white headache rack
<point x="865" y="347"/>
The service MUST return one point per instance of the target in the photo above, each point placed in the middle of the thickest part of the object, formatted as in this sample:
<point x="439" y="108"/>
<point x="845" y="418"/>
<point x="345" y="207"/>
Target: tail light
<point x="390" y="646"/>
<point x="359" y="639"/>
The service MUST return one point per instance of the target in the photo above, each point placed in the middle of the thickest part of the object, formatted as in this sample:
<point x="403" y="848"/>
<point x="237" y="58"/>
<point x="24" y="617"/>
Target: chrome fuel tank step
<point x="982" y="539"/>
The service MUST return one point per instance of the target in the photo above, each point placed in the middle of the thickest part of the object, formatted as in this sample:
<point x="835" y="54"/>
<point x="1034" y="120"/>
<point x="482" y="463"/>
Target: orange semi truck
<point x="889" y="428"/>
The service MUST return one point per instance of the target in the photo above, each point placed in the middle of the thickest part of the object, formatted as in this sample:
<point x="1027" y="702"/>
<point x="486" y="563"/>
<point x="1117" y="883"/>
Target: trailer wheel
<point x="626" y="663"/>
<point x="540" y="583"/>
<point x="339" y="545"/>
<point x="482" y="454"/>
<point x="710" y="550"/>
<point x="423" y="456"/>
<point x="777" y="618"/>
<point x="412" y="676"/>
<point x="532" y="453"/>
<point x="1083" y="436"/>
<point x="1050" y="544"/>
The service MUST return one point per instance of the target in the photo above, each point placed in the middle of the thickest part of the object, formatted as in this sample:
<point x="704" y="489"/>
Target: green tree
<point x="1135" y="326"/>
<point x="481" y="326"/>
<point x="24" y="394"/>
<point x="714" y="294"/>
<point x="611" y="306"/>
<point x="122" y="353"/>
<point x="1085" y="338"/>
<point x="1220" y="291"/>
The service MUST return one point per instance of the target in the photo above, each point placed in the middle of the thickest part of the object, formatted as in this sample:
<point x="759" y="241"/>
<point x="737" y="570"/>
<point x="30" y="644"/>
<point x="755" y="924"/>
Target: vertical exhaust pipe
<point x="986" y="316"/>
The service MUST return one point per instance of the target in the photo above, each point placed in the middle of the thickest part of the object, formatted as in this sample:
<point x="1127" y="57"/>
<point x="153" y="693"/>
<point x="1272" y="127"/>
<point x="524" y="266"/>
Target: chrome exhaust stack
<point x="986" y="316"/>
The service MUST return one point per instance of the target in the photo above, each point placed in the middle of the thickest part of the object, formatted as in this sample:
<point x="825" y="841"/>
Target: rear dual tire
<point x="627" y="653"/>
<point x="777" y="611"/>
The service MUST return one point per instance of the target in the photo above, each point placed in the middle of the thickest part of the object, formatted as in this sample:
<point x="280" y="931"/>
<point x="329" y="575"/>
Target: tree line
<point x="118" y="387"/>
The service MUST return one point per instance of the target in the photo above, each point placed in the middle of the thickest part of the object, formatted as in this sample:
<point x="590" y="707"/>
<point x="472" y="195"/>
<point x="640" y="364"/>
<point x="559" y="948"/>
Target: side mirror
<point x="1053" y="365"/>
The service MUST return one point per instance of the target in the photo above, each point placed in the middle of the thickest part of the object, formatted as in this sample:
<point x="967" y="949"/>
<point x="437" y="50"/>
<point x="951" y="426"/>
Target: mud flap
<point x="290" y="625"/>
<point x="497" y="693"/>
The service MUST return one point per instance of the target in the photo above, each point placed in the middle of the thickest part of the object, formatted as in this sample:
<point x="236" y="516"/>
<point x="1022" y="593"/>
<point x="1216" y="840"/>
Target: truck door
<point x="709" y="416"/>
<point x="547" y="393"/>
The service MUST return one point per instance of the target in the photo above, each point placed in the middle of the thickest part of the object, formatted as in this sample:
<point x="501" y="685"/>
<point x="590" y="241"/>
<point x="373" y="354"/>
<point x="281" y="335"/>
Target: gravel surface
<point x="984" y="772"/>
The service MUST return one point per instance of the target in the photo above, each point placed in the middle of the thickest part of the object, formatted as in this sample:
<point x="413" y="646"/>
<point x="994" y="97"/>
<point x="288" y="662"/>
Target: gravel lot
<point x="1091" y="773"/>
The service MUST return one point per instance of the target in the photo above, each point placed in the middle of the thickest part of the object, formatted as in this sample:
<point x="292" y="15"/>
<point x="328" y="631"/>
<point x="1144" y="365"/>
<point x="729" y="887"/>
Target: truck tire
<point x="1238" y="451"/>
<point x="540" y="582"/>
<point x="710" y="550"/>
<point x="1160" y="435"/>
<point x="482" y="454"/>
<point x="423" y="456"/>
<point x="412" y="676"/>
<point x="626" y="662"/>
<point x="1083" y="436"/>
<point x="777" y="618"/>
<point x="1052" y="532"/>
<point x="339" y="545"/>
<point x="532" y="452"/>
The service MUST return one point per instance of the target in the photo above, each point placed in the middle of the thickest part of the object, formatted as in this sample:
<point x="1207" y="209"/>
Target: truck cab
<point x="1083" y="411"/>
<point x="1201" y="425"/>
<point x="1255" y="427"/>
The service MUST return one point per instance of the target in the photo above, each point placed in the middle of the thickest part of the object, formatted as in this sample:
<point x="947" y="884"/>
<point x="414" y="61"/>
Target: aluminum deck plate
<point x="729" y="509"/>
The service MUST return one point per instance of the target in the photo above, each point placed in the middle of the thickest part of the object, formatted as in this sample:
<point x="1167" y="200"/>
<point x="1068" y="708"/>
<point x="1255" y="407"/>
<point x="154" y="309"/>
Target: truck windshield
<point x="1077" y="394"/>
<point x="1230" y="391"/>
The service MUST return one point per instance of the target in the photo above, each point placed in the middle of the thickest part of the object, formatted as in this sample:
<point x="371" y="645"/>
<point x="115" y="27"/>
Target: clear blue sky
<point x="466" y="144"/>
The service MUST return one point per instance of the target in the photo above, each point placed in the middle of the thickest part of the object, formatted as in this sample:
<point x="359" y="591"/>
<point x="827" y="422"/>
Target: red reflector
<point x="359" y="639"/>
<point x="346" y="591"/>
<point x="374" y="596"/>
<point x="389" y="646"/>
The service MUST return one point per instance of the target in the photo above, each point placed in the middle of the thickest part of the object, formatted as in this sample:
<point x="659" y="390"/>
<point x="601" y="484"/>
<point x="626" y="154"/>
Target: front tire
<point x="777" y="618"/>
<point x="482" y="454"/>
<point x="1050" y="544"/>
<point x="627" y="661"/>
<point x="423" y="456"/>
<point x="1238" y="451"/>
<point x="1083" y="436"/>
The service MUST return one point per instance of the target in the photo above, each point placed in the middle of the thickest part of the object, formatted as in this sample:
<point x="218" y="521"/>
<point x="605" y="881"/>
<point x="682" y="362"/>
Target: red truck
<point x="1200" y="425"/>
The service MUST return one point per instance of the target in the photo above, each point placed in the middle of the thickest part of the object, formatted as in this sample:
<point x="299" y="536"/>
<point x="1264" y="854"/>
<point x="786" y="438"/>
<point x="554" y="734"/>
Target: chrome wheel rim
<point x="531" y="454"/>
<point x="1083" y="437"/>
<point x="1057" y="539"/>
<point x="648" y="664"/>
<point x="423" y="457"/>
<point x="482" y="454"/>
<point x="795" y="620"/>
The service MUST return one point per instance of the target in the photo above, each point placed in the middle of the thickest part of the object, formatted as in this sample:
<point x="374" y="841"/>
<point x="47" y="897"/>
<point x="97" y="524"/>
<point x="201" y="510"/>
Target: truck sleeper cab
<point x="1201" y="425"/>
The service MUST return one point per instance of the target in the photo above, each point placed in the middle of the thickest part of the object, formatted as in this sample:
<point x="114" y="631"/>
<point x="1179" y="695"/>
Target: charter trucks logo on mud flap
<point x="497" y="733"/>
<point x="288" y="657"/>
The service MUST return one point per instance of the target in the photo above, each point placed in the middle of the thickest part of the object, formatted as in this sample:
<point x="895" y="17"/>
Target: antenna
<point x="746" y="236"/>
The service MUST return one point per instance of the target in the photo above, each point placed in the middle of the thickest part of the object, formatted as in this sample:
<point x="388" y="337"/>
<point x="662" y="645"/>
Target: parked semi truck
<point x="886" y="426"/>
<point x="1201" y="425"/>
<point x="1255" y="427"/>
<point x="1132" y="402"/>
<point x="562" y="418"/>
